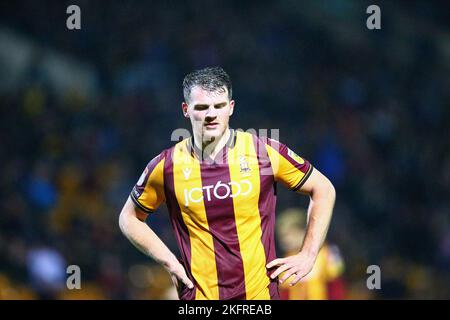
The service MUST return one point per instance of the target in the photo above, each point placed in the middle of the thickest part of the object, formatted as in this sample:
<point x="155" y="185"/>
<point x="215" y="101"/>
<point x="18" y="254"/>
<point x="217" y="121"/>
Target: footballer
<point x="220" y="190"/>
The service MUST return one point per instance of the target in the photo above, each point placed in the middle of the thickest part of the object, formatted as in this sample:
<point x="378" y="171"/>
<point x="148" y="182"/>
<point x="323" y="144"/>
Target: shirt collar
<point x="194" y="149"/>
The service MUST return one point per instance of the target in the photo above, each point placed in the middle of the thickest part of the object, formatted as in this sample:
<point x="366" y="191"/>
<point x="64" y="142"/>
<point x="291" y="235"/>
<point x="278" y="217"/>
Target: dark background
<point x="83" y="111"/>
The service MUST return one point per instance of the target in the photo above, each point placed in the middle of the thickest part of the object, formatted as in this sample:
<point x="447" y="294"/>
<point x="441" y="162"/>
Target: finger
<point x="287" y="275"/>
<point x="297" y="278"/>
<point x="184" y="278"/>
<point x="279" y="270"/>
<point x="188" y="282"/>
<point x="181" y="276"/>
<point x="275" y="262"/>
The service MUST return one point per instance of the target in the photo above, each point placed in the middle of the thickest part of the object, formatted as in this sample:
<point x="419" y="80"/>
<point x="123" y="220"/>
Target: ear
<point x="231" y="107"/>
<point x="184" y="106"/>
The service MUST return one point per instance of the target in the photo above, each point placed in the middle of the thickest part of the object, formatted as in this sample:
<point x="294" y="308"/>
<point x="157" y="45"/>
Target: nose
<point x="211" y="113"/>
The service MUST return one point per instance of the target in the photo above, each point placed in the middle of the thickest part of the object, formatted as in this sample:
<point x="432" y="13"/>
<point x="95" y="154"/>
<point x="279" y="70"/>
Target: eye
<point x="200" y="107"/>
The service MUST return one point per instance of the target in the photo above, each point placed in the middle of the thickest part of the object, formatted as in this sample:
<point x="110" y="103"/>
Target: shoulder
<point x="167" y="154"/>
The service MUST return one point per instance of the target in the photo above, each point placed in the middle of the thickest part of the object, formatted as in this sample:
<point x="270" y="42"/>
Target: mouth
<point x="211" y="125"/>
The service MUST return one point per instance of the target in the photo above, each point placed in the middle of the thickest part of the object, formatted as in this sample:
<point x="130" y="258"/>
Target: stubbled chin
<point x="211" y="134"/>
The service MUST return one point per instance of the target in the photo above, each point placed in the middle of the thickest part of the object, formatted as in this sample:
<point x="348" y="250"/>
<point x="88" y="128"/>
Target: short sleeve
<point x="148" y="192"/>
<point x="288" y="167"/>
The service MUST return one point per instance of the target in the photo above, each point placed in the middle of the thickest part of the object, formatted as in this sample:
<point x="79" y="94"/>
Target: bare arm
<point x="144" y="239"/>
<point x="322" y="197"/>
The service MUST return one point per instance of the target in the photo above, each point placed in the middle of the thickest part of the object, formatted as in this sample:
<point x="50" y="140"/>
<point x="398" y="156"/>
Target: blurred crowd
<point x="370" y="109"/>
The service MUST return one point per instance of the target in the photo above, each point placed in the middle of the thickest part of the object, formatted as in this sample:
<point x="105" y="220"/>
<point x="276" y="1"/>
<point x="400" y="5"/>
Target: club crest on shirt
<point x="244" y="168"/>
<point x="295" y="156"/>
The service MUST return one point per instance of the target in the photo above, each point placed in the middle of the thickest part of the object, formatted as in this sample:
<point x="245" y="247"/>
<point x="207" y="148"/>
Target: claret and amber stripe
<point x="222" y="217"/>
<point x="248" y="216"/>
<point x="202" y="263"/>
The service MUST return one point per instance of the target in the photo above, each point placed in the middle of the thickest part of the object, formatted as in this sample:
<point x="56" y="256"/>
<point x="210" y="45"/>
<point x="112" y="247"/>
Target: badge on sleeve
<point x="295" y="156"/>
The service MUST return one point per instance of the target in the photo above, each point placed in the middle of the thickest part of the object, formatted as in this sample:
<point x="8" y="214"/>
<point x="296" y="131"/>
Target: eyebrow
<point x="222" y="104"/>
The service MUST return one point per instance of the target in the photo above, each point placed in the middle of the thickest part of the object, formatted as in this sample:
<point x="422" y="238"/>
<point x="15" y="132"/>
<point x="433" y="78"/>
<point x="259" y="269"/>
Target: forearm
<point x="320" y="211"/>
<point x="145" y="239"/>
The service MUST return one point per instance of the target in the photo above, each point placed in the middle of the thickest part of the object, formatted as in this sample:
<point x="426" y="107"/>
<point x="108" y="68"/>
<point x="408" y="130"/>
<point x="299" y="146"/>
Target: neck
<point x="211" y="148"/>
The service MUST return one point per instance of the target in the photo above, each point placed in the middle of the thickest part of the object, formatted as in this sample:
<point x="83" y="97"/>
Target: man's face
<point x="209" y="112"/>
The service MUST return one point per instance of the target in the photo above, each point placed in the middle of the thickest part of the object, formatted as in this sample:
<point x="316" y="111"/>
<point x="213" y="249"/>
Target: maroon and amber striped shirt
<point x="223" y="211"/>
